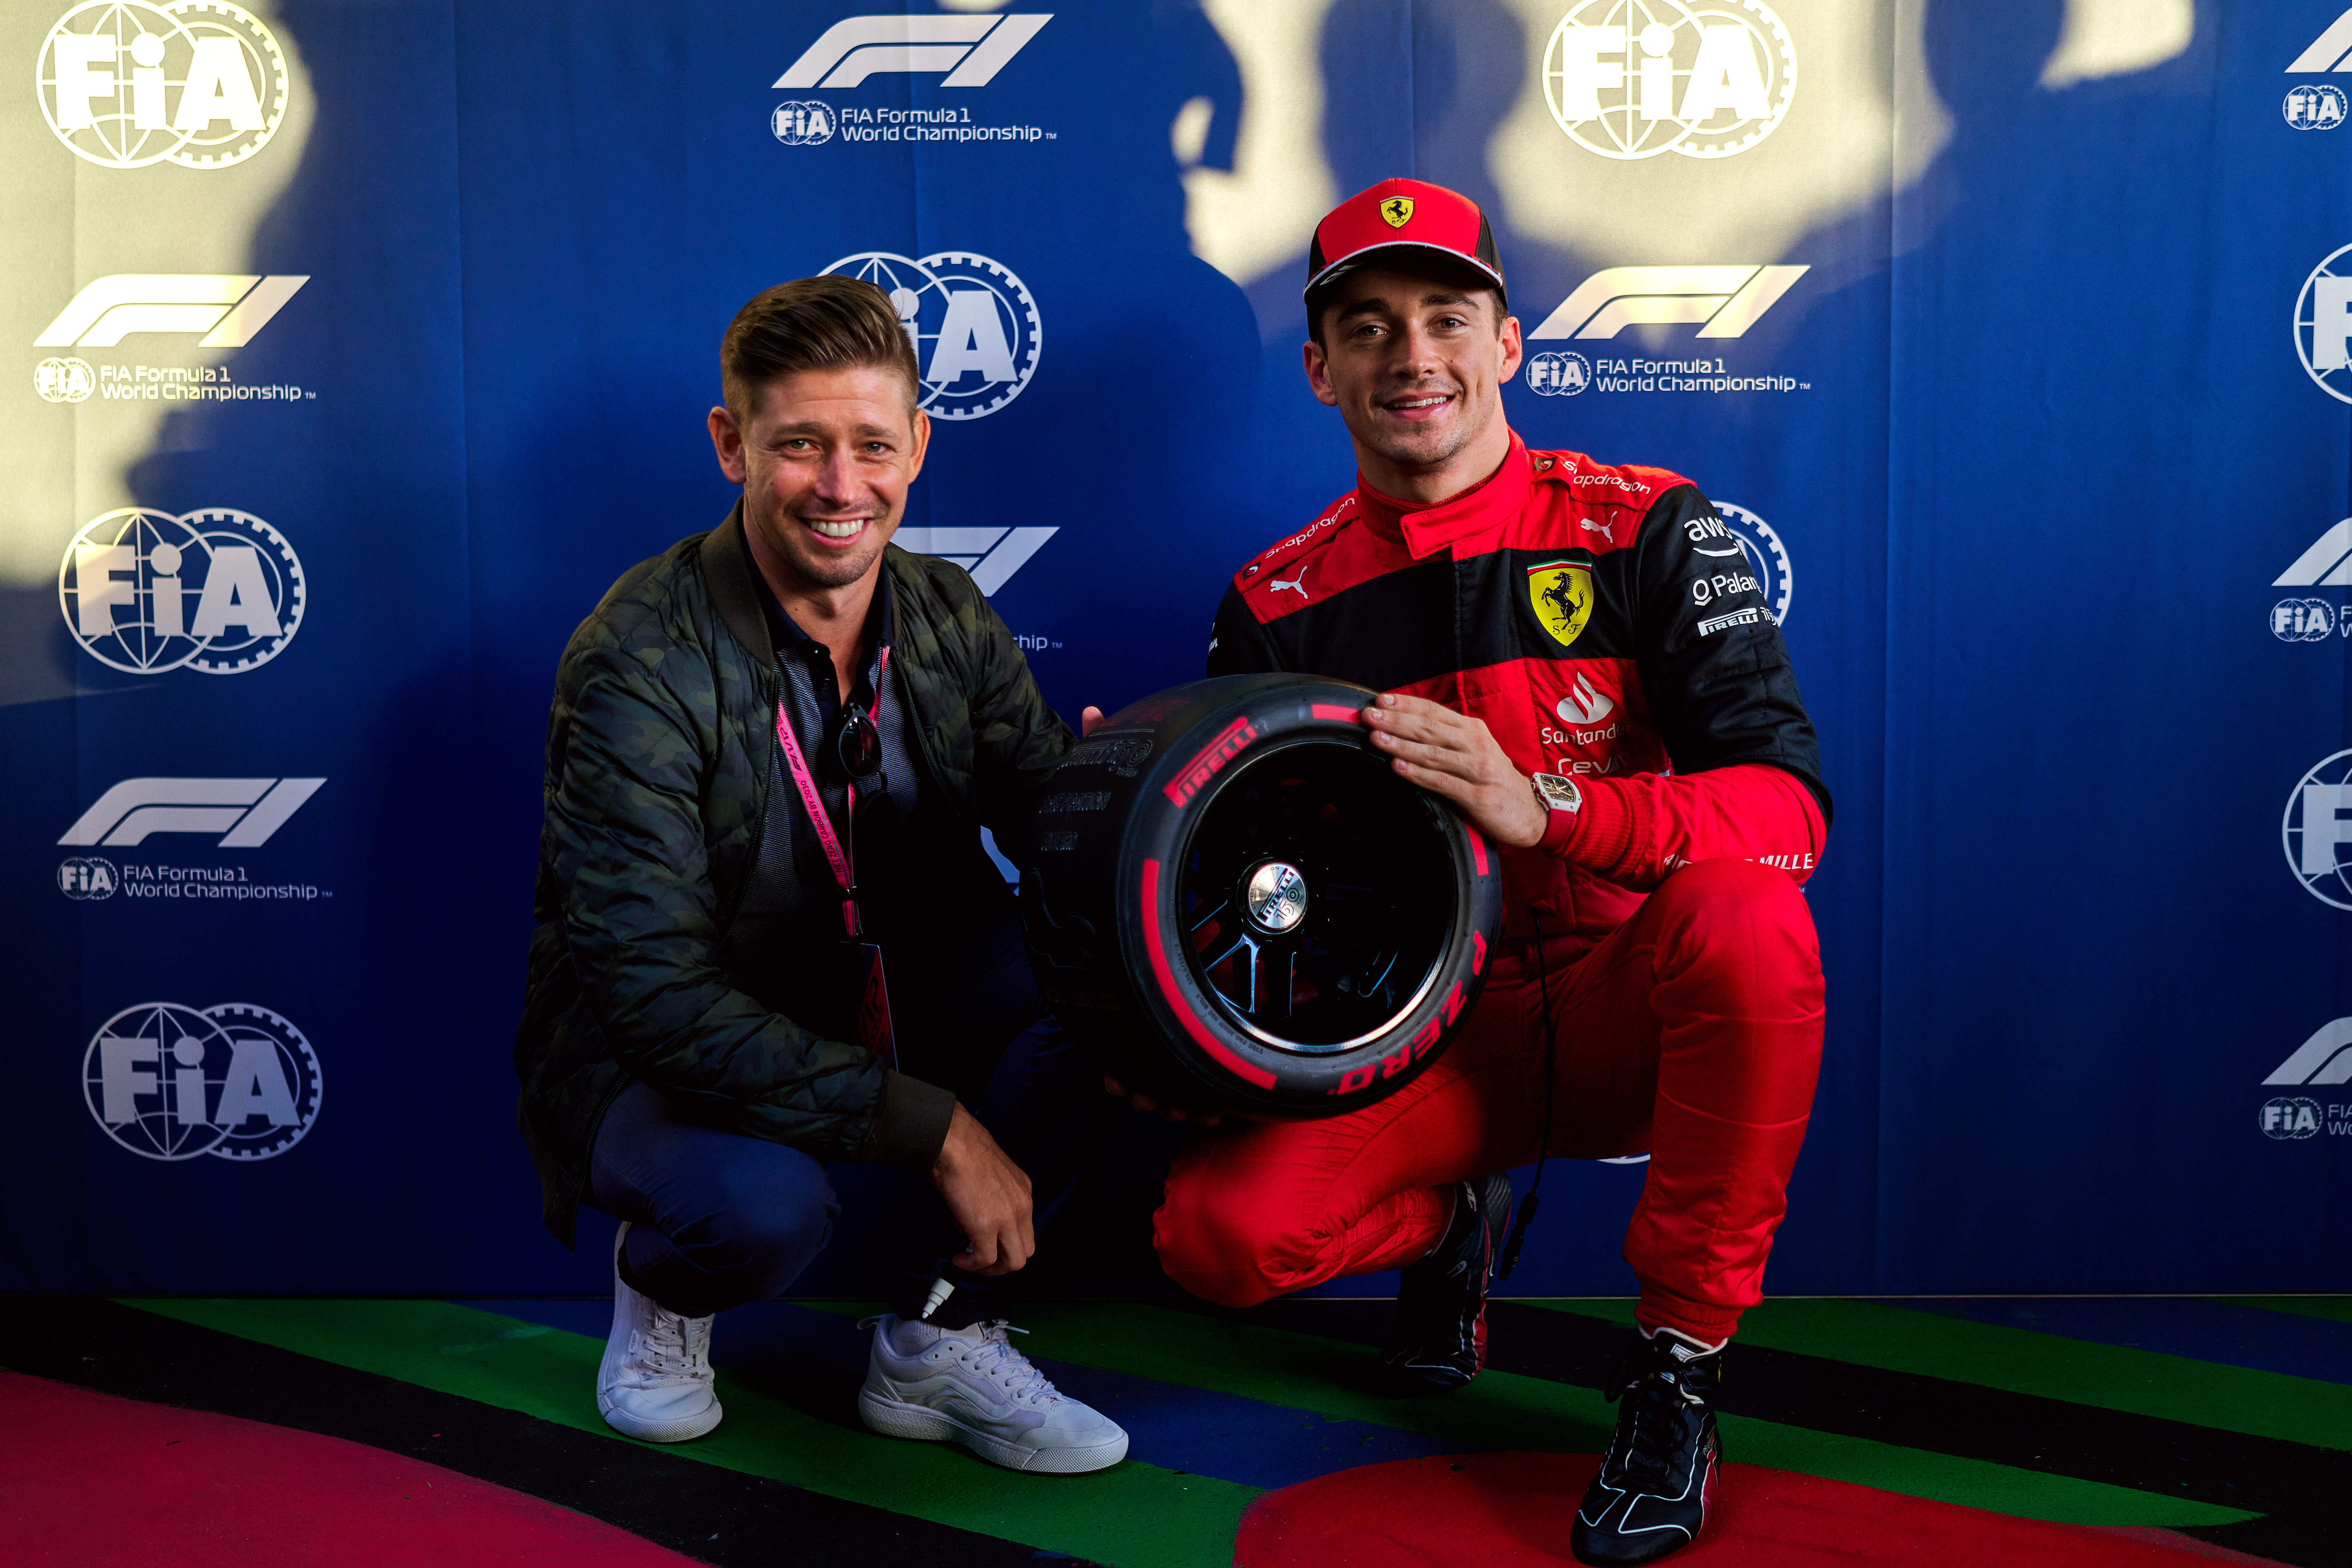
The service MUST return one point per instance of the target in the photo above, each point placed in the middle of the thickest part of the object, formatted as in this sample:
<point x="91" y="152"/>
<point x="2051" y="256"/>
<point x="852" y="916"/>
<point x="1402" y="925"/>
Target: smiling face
<point x="1415" y="368"/>
<point x="824" y="461"/>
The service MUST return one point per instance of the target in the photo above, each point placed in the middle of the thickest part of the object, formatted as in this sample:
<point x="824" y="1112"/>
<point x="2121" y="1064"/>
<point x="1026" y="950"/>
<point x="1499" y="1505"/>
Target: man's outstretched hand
<point x="1087" y="719"/>
<point x="1457" y="757"/>
<point x="989" y="1197"/>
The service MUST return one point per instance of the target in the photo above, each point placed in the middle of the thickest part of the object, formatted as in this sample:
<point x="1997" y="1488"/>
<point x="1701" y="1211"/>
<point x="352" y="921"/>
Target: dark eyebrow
<point x="812" y="427"/>
<point x="1382" y="307"/>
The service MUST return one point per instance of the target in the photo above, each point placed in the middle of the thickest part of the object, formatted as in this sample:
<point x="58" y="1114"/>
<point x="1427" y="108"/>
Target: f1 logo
<point x="969" y="49"/>
<point x="2331" y="51"/>
<point x="228" y="308"/>
<point x="1728" y="300"/>
<point x="244" y="812"/>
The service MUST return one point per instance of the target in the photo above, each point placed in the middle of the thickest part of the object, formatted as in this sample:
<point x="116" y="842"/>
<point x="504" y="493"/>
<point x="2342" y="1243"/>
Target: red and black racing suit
<point x="1605" y="624"/>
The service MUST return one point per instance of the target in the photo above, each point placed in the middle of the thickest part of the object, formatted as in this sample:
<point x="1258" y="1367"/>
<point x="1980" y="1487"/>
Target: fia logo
<point x="124" y="83"/>
<point x="974" y="325"/>
<point x="803" y="122"/>
<point x="1633" y="79"/>
<point x="228" y="309"/>
<point x="1765" y="553"/>
<point x="172" y="1083"/>
<point x="64" y="380"/>
<point x="2323" y="324"/>
<point x="1558" y="375"/>
<point x="1724" y="301"/>
<point x="2316" y="827"/>
<point x="215" y="591"/>
<point x="2302" y="620"/>
<point x="969" y="49"/>
<point x="2290" y="1117"/>
<point x="2317" y="108"/>
<point x="82" y="878"/>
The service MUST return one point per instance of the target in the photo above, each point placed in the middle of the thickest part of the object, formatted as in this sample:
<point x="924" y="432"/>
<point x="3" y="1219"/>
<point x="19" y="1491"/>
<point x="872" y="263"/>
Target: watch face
<point x="1560" y="793"/>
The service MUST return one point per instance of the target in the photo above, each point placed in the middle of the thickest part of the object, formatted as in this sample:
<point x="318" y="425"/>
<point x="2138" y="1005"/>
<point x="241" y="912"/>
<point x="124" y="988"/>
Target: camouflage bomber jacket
<point x="657" y="767"/>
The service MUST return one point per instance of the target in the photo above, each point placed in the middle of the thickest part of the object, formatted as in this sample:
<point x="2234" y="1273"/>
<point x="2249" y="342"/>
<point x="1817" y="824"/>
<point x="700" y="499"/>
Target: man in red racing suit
<point x="1600" y="624"/>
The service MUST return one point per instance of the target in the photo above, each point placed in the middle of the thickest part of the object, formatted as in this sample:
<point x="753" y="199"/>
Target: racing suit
<point x="1605" y="624"/>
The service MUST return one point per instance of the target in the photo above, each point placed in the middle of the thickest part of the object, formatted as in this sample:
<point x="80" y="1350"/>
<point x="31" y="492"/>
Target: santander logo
<point x="1586" y="704"/>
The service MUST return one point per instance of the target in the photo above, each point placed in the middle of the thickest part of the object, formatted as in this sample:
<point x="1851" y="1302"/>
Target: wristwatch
<point x="1556" y="792"/>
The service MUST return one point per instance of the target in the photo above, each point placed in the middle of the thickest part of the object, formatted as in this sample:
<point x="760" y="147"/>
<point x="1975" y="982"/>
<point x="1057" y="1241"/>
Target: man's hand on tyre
<point x="1457" y="757"/>
<point x="989" y="1197"/>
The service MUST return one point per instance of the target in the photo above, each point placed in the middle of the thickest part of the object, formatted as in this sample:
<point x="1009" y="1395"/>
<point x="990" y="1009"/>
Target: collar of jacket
<point x="1479" y="512"/>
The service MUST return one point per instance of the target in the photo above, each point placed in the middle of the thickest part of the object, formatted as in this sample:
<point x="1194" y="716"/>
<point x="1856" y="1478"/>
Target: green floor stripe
<point x="1504" y="1411"/>
<point x="1134" y="1515"/>
<point x="2022" y="1361"/>
<point x="2334" y="1308"/>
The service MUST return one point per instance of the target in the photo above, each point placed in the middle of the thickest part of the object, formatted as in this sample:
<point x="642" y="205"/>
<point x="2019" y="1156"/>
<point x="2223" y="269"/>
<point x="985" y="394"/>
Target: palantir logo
<point x="974" y="325"/>
<point x="1633" y="79"/>
<point x="124" y="83"/>
<point x="1724" y="301"/>
<point x="242" y="813"/>
<point x="2317" y="828"/>
<point x="2323" y="324"/>
<point x="214" y="590"/>
<point x="172" y="1083"/>
<point x="971" y="49"/>
<point x="1766" y="554"/>
<point x="228" y="308"/>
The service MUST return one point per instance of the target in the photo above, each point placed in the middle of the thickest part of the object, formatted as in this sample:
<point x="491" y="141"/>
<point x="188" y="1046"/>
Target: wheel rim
<point x="1318" y="896"/>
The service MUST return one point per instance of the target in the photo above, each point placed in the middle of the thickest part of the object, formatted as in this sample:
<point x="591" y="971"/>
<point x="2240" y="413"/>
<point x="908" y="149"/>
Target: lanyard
<point x="836" y="854"/>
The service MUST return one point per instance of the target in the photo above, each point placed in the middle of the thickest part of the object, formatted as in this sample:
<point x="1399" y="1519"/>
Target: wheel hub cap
<point x="1276" y="897"/>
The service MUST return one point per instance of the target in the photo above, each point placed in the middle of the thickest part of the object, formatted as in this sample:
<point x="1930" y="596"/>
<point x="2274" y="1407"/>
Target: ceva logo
<point x="124" y="83"/>
<point x="991" y="554"/>
<point x="2331" y="51"/>
<point x="244" y="813"/>
<point x="1633" y="79"/>
<point x="1724" y="301"/>
<point x="171" y="1082"/>
<point x="969" y="49"/>
<point x="974" y="326"/>
<point x="228" y="308"/>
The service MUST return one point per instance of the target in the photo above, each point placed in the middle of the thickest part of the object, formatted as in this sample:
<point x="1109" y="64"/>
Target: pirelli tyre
<point x="1232" y="897"/>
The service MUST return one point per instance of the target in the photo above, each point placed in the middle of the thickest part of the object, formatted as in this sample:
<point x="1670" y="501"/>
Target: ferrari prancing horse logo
<point x="1398" y="210"/>
<point x="1561" y="594"/>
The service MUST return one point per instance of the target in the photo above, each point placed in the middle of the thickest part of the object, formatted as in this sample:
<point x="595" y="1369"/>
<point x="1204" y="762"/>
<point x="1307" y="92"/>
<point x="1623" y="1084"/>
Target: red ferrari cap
<point x="1394" y="219"/>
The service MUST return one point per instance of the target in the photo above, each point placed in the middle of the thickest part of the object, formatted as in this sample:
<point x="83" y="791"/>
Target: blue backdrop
<point x="355" y="365"/>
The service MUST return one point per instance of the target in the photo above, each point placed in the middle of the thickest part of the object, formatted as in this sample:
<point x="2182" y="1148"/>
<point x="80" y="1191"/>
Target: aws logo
<point x="1634" y="78"/>
<point x="124" y="83"/>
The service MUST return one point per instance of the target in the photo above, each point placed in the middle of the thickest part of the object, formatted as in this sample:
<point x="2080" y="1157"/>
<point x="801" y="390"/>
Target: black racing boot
<point x="1650" y="1497"/>
<point x="1439" y="1339"/>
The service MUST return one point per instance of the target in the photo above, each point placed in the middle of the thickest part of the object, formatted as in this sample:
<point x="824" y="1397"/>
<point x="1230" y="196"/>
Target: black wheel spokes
<point x="1379" y="897"/>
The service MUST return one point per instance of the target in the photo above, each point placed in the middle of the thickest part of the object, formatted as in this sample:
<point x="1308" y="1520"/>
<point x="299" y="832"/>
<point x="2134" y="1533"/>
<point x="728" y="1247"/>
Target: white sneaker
<point x="656" y="1382"/>
<point x="971" y="1387"/>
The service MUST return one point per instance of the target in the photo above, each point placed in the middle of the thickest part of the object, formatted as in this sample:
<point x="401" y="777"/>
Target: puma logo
<point x="1600" y="527"/>
<point x="1297" y="583"/>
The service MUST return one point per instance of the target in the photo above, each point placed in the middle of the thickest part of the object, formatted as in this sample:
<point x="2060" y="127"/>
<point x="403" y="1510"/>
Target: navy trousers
<point x="721" y="1219"/>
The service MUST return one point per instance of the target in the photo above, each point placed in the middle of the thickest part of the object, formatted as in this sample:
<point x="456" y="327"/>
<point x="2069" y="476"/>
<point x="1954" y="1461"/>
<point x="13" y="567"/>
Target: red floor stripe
<point x="93" y="1480"/>
<point x="1512" y="1511"/>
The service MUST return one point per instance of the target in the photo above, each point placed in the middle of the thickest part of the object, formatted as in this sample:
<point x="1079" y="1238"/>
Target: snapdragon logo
<point x="974" y="326"/>
<point x="1633" y="79"/>
<point x="971" y="49"/>
<point x="991" y="554"/>
<point x="2323" y="324"/>
<point x="172" y="1083"/>
<point x="215" y="591"/>
<point x="124" y="83"/>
